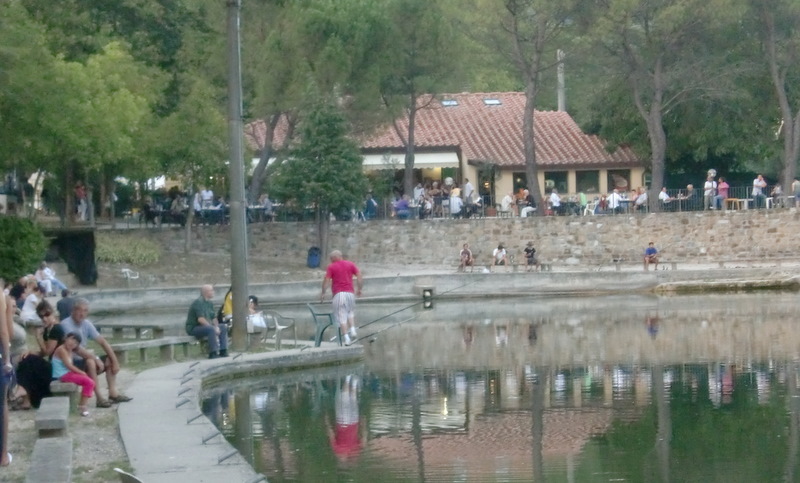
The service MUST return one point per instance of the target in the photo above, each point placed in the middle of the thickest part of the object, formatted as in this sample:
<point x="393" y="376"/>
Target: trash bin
<point x="313" y="257"/>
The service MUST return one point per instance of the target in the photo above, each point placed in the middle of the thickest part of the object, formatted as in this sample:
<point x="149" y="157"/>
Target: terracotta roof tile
<point x="493" y="133"/>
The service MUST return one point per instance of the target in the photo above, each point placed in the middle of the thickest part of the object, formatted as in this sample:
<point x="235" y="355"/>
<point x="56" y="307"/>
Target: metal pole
<point x="236" y="165"/>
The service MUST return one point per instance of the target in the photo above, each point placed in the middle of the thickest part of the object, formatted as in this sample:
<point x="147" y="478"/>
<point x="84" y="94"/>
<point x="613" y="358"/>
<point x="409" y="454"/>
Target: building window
<point x="557" y="180"/>
<point x="619" y="179"/>
<point x="587" y="181"/>
<point x="520" y="181"/>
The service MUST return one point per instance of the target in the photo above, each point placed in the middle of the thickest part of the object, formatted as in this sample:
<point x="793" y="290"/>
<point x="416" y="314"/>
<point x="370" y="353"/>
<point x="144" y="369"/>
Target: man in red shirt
<point x="340" y="275"/>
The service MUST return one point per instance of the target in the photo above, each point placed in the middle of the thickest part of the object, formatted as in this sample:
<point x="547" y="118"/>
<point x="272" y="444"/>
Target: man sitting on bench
<point x="201" y="322"/>
<point x="650" y="256"/>
<point x="79" y="324"/>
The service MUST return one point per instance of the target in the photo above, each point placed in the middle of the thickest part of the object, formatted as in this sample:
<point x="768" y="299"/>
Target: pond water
<point x="683" y="388"/>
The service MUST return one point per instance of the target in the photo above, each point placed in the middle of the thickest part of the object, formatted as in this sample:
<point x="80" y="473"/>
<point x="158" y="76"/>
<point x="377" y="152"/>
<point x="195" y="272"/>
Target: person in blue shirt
<point x="650" y="256"/>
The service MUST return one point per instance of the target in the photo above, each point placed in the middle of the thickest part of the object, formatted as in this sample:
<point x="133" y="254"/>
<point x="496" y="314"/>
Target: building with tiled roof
<point x="479" y="136"/>
<point x="457" y="134"/>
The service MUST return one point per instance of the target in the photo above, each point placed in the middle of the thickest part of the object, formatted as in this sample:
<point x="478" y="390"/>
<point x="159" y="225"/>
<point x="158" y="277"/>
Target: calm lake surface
<point x="620" y="388"/>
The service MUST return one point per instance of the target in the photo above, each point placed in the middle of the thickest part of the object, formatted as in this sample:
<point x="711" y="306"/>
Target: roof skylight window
<point x="449" y="102"/>
<point x="492" y="102"/>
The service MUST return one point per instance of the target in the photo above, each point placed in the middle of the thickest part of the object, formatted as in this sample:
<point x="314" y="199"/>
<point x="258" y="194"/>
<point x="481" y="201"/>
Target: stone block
<point x="51" y="461"/>
<point x="52" y="417"/>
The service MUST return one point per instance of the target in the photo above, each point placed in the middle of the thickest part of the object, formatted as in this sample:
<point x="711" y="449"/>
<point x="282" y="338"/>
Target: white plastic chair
<point x="590" y="209"/>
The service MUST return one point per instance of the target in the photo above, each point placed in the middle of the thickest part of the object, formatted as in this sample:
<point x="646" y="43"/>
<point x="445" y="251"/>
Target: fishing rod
<point x="371" y="337"/>
<point x="425" y="299"/>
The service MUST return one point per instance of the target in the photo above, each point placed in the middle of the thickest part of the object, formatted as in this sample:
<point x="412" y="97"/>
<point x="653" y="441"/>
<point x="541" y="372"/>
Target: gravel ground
<point x="96" y="441"/>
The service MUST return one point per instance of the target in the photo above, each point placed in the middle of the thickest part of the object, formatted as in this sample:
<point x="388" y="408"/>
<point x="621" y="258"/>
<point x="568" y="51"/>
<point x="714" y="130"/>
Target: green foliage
<point x="22" y="247"/>
<point x="324" y="170"/>
<point x="117" y="248"/>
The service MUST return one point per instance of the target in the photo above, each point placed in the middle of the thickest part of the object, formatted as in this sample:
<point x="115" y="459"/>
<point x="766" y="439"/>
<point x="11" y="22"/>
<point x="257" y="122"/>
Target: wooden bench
<point x="166" y="344"/>
<point x="322" y="320"/>
<point x="51" y="461"/>
<point x="52" y="417"/>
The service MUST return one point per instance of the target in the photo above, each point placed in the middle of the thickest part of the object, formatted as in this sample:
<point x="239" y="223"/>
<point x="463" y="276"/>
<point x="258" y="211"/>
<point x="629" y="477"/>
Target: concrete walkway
<point x="163" y="428"/>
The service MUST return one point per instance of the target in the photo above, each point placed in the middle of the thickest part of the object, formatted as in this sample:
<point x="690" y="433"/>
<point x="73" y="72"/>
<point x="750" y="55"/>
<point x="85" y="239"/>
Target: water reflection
<point x="494" y="399"/>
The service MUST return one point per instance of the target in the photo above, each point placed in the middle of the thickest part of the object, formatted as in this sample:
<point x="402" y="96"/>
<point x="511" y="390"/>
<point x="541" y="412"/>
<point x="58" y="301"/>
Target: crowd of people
<point x="62" y="354"/>
<point x="448" y="199"/>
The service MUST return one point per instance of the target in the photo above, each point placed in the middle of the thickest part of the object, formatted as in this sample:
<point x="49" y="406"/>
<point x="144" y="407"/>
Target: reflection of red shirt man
<point x="345" y="438"/>
<point x="340" y="275"/>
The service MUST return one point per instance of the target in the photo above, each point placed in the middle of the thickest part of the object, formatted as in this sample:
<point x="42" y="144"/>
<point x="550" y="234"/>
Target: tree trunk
<point x="262" y="169"/>
<point x="791" y="121"/>
<point x="529" y="143"/>
<point x="323" y="229"/>
<point x="266" y="152"/>
<point x="187" y="238"/>
<point x="658" y="148"/>
<point x="69" y="194"/>
<point x="408" y="174"/>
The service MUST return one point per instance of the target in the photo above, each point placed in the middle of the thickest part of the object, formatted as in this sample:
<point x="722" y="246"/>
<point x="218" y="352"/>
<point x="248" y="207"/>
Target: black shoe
<point x="213" y="355"/>
<point x="223" y="353"/>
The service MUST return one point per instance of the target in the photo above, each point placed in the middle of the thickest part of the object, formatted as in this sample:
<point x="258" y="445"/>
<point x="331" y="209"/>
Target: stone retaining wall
<point x="692" y="237"/>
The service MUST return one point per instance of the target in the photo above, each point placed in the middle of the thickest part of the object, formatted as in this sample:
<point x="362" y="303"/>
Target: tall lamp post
<point x="236" y="165"/>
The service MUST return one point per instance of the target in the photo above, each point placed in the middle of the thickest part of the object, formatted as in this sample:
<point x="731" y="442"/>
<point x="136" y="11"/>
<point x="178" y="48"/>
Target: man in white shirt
<point x="419" y="191"/>
<point x="555" y="202"/>
<point x="206" y="198"/>
<point x="467" y="191"/>
<point x="758" y="191"/>
<point x="615" y="201"/>
<point x="709" y="192"/>
<point x="455" y="206"/>
<point x="641" y="200"/>
<point x="507" y="203"/>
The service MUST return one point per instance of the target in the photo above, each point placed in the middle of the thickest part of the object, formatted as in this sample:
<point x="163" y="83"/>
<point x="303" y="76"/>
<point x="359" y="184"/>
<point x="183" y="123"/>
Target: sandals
<point x="83" y="411"/>
<point x="121" y="398"/>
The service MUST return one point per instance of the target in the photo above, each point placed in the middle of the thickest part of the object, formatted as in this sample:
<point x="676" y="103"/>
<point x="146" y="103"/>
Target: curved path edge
<point x="163" y="428"/>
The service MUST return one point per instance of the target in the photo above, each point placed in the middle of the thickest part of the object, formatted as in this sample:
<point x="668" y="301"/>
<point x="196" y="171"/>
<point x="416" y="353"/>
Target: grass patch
<point x="126" y="248"/>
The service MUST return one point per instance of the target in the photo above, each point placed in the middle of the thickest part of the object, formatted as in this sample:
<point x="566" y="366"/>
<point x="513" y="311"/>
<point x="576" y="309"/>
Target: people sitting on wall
<point x="466" y="259"/>
<point x="650" y="256"/>
<point x="500" y="256"/>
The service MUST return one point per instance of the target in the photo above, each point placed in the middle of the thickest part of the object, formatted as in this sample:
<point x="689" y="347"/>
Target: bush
<point x="115" y="248"/>
<point x="22" y="247"/>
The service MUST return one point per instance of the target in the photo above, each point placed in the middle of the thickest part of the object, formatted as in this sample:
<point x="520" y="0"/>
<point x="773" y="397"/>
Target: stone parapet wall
<point x="702" y="237"/>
